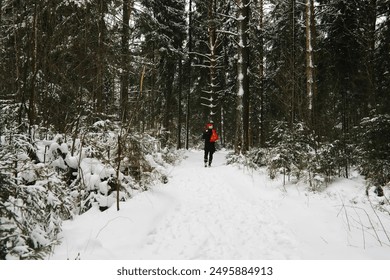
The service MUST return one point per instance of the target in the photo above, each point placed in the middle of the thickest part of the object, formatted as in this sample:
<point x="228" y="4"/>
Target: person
<point x="209" y="136"/>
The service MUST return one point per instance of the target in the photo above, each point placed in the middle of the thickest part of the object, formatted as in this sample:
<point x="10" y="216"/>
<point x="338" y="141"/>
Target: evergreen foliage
<point x="33" y="202"/>
<point x="110" y="83"/>
<point x="373" y="149"/>
<point x="44" y="183"/>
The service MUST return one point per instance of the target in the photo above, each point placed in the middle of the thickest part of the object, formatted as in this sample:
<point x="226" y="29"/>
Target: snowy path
<point x="214" y="213"/>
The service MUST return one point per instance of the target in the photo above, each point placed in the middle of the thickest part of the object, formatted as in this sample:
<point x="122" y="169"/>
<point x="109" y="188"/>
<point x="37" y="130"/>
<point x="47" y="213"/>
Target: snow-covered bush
<point x="47" y="177"/>
<point x="325" y="162"/>
<point x="296" y="154"/>
<point x="109" y="160"/>
<point x="291" y="150"/>
<point x="44" y="183"/>
<point x="253" y="159"/>
<point x="146" y="161"/>
<point x="33" y="202"/>
<point x="372" y="154"/>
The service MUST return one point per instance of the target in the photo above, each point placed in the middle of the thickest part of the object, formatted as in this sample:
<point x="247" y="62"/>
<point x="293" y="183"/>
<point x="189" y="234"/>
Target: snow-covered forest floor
<point x="231" y="212"/>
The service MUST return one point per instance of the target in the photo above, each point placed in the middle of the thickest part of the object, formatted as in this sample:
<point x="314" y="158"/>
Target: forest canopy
<point x="300" y="86"/>
<point x="173" y="65"/>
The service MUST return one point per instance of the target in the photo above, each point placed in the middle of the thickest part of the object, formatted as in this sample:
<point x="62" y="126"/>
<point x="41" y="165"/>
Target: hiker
<point x="210" y="136"/>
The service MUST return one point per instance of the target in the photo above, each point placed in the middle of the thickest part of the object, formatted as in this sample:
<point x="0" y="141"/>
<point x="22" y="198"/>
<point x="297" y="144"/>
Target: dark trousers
<point x="208" y="156"/>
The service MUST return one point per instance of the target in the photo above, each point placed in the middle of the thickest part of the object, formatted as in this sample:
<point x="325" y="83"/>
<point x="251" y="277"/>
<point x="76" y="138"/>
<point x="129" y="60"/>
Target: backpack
<point x="214" y="136"/>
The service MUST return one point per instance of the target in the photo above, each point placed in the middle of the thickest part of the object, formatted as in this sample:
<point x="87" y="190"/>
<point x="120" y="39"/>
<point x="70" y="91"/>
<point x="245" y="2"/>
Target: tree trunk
<point x="18" y="90"/>
<point x="189" y="75"/>
<point x="314" y="69"/>
<point x="309" y="62"/>
<point x="118" y="163"/>
<point x="293" y="94"/>
<point x="100" y="59"/>
<point x="34" y="62"/>
<point x="371" y="55"/>
<point x="213" y="49"/>
<point x="168" y="78"/>
<point x="179" y="117"/>
<point x="242" y="111"/>
<point x="124" y="93"/>
<point x="261" y="73"/>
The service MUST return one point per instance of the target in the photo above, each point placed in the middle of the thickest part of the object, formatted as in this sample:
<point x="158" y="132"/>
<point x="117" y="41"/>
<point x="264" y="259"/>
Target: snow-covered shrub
<point x="296" y="152"/>
<point x="33" y="218"/>
<point x="323" y="165"/>
<point x="253" y="159"/>
<point x="372" y="154"/>
<point x="9" y="119"/>
<point x="33" y="202"/>
<point x="147" y="161"/>
<point x="112" y="159"/>
<point x="291" y="150"/>
<point x="50" y="180"/>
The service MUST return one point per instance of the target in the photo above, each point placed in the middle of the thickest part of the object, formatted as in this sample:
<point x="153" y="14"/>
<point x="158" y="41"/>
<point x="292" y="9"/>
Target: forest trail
<point x="220" y="212"/>
<point x="215" y="213"/>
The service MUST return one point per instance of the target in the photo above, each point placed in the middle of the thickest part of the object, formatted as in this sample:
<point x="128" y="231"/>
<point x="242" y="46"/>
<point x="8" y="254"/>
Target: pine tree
<point x="382" y="63"/>
<point x="164" y="32"/>
<point x="286" y="62"/>
<point x="257" y="133"/>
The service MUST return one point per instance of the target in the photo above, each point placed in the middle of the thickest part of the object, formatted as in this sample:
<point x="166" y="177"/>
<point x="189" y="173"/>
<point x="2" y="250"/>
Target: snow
<point x="72" y="161"/>
<point x="59" y="162"/>
<point x="225" y="212"/>
<point x="95" y="170"/>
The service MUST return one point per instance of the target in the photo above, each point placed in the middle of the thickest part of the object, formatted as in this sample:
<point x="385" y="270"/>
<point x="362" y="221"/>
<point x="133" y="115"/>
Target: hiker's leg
<point x="206" y="152"/>
<point x="211" y="157"/>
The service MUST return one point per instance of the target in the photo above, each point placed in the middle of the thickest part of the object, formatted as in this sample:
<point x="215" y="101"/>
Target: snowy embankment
<point x="224" y="212"/>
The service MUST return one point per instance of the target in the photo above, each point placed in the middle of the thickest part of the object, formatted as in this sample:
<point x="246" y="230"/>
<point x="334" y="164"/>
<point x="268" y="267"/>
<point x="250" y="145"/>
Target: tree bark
<point x="371" y="55"/>
<point x="34" y="62"/>
<point x="293" y="94"/>
<point x="213" y="50"/>
<point x="100" y="59"/>
<point x="125" y="71"/>
<point x="168" y="78"/>
<point x="310" y="61"/>
<point x="260" y="9"/>
<point x="19" y="95"/>
<point x="188" y="101"/>
<point x="242" y="111"/>
<point x="179" y="118"/>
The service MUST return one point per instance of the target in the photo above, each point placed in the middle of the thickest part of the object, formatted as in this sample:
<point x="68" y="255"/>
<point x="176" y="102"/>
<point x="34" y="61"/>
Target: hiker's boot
<point x="210" y="164"/>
